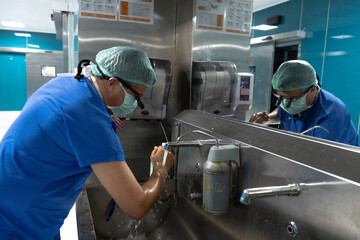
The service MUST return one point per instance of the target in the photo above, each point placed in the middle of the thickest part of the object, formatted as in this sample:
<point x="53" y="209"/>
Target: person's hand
<point x="260" y="117"/>
<point x="157" y="158"/>
<point x="118" y="122"/>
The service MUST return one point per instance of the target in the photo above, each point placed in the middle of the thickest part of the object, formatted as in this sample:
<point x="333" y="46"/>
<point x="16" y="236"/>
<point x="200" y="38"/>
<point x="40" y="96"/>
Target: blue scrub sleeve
<point x="93" y="138"/>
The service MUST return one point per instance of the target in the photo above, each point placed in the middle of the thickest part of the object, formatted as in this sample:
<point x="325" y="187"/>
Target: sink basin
<point x="92" y="206"/>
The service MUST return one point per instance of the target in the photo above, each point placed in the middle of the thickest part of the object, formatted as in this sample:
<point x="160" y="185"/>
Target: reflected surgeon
<point x="67" y="130"/>
<point x="303" y="107"/>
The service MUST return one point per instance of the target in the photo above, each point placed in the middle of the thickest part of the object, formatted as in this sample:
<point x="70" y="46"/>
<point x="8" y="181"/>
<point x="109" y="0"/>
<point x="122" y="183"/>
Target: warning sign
<point x="99" y="9"/>
<point x="139" y="11"/>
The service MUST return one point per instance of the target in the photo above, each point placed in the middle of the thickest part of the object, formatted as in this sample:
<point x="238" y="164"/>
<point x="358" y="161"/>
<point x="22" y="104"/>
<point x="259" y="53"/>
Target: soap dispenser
<point x="217" y="178"/>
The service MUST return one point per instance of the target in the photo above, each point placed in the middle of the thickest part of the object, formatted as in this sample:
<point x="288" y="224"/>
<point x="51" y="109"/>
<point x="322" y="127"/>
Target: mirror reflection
<point x="321" y="33"/>
<point x="318" y="101"/>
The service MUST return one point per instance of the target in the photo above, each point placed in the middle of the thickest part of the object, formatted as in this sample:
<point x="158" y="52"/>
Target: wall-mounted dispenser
<point x="217" y="178"/>
<point x="156" y="97"/>
<point x="213" y="87"/>
<point x="243" y="94"/>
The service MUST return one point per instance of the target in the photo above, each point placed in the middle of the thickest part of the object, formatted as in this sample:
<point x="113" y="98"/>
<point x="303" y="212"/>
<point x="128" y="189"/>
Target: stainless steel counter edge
<point x="335" y="159"/>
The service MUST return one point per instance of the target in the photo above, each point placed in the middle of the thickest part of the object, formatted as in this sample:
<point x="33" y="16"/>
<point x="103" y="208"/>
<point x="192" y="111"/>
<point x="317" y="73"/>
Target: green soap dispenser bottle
<point x="217" y="178"/>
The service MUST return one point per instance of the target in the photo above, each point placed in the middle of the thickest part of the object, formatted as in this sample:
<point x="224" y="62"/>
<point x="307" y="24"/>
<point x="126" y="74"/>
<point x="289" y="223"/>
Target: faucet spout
<point x="289" y="190"/>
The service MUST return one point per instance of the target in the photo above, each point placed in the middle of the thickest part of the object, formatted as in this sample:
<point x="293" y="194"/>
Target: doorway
<point x="282" y="54"/>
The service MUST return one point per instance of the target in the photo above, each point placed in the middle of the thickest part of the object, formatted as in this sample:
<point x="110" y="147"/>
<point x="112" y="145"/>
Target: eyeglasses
<point x="289" y="100"/>
<point x="139" y="99"/>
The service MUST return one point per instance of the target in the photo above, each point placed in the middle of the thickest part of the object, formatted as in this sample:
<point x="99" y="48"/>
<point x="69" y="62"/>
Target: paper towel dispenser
<point x="244" y="91"/>
<point x="156" y="97"/>
<point x="213" y="87"/>
<point x="243" y="94"/>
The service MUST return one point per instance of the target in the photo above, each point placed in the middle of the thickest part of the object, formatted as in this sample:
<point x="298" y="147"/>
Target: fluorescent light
<point x="33" y="45"/>
<point x="342" y="36"/>
<point x="336" y="53"/>
<point x="12" y="24"/>
<point x="22" y="34"/>
<point x="263" y="4"/>
<point x="264" y="27"/>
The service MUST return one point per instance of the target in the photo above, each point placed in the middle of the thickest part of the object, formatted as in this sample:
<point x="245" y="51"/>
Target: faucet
<point x="289" y="190"/>
<point x="196" y="143"/>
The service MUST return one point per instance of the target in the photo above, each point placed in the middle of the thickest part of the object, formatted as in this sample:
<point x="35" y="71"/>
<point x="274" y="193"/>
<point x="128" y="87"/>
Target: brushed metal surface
<point x="84" y="218"/>
<point x="34" y="62"/>
<point x="215" y="46"/>
<point x="304" y="150"/>
<point x="157" y="39"/>
<point x="138" y="139"/>
<point x="262" y="57"/>
<point x="327" y="207"/>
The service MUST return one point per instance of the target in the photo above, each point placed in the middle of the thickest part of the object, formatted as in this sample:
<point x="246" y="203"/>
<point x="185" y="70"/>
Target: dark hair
<point x="318" y="80"/>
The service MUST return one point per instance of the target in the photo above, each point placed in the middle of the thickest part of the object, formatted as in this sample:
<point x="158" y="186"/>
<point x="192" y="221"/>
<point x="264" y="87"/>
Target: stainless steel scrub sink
<point x="325" y="207"/>
<point x="96" y="222"/>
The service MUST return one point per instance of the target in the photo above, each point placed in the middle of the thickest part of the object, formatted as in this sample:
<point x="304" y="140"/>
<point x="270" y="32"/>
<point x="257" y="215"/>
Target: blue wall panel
<point x="290" y="12"/>
<point x="45" y="41"/>
<point x="314" y="23"/>
<point x="12" y="81"/>
<point x="342" y="64"/>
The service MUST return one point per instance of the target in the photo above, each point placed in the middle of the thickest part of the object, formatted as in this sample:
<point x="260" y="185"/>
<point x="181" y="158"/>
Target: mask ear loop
<point x="278" y="101"/>
<point x="288" y="104"/>
<point x="82" y="63"/>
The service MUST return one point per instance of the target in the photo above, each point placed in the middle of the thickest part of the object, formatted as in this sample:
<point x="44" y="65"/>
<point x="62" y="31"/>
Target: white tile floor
<point x="69" y="229"/>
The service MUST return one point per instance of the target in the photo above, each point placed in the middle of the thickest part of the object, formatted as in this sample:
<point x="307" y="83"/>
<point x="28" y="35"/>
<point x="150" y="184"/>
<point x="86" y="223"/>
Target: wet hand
<point x="260" y="117"/>
<point x="157" y="156"/>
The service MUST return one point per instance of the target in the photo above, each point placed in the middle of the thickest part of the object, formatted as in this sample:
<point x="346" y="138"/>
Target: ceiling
<point x="35" y="14"/>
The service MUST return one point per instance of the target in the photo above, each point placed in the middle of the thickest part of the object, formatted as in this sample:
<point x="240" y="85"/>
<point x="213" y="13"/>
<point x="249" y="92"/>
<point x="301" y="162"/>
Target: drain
<point x="292" y="229"/>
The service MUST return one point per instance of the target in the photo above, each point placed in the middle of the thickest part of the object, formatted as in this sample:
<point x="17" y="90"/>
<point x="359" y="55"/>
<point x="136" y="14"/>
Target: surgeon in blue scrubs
<point x="303" y="107"/>
<point x="63" y="134"/>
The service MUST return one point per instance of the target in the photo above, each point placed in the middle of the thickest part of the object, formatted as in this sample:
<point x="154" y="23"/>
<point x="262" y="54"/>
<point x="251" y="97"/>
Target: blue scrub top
<point x="46" y="154"/>
<point x="328" y="112"/>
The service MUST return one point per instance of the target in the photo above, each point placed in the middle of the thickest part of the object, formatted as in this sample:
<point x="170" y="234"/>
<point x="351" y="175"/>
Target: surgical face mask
<point x="297" y="105"/>
<point x="127" y="107"/>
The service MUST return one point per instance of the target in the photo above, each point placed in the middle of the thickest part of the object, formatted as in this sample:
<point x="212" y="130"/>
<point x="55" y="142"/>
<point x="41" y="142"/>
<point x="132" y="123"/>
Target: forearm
<point x="153" y="187"/>
<point x="274" y="114"/>
<point x="134" y="200"/>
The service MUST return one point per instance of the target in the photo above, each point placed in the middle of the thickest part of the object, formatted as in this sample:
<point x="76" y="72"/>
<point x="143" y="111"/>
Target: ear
<point x="112" y="81"/>
<point x="313" y="88"/>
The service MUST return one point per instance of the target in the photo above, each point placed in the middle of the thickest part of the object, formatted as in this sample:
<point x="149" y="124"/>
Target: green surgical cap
<point x="294" y="74"/>
<point x="129" y="64"/>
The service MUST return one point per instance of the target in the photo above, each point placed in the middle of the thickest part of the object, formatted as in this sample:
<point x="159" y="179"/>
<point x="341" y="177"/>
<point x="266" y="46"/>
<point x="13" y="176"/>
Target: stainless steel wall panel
<point x="34" y="62"/>
<point x="262" y="57"/>
<point x="179" y="97"/>
<point x="156" y="39"/>
<point x="218" y="46"/>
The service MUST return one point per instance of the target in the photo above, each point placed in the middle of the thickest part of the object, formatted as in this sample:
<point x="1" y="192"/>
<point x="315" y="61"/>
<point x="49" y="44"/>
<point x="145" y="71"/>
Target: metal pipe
<point x="312" y="128"/>
<point x="195" y="143"/>
<point x="178" y="143"/>
<point x="273" y="191"/>
<point x="201" y="132"/>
